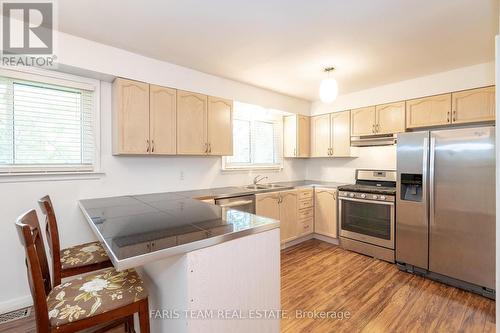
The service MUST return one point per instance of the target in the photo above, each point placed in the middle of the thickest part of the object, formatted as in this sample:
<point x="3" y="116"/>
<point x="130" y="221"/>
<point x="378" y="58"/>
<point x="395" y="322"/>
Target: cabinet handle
<point x="206" y="147"/>
<point x="448" y="116"/>
<point x="373" y="128"/>
<point x="152" y="146"/>
<point x="454" y="115"/>
<point x="209" y="147"/>
<point x="147" y="145"/>
<point x="377" y="128"/>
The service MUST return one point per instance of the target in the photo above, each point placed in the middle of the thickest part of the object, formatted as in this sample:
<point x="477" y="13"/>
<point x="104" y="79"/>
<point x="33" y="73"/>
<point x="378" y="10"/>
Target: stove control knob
<point x="382" y="197"/>
<point x="351" y="195"/>
<point x="363" y="195"/>
<point x="375" y="197"/>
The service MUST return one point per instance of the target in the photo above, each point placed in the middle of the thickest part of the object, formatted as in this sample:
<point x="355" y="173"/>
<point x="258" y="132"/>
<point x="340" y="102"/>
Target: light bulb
<point x="328" y="90"/>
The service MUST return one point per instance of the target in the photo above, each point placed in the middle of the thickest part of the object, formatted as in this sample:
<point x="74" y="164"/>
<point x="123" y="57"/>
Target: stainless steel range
<point x="367" y="214"/>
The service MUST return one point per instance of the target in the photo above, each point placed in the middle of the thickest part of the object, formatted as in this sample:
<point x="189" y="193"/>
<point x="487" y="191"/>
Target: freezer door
<point x="462" y="209"/>
<point x="412" y="220"/>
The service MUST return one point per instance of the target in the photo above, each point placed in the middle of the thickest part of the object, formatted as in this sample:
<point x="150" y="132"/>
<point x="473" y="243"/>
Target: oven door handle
<point x="388" y="203"/>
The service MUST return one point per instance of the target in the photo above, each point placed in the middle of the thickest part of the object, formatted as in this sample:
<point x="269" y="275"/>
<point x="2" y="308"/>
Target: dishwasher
<point x="244" y="203"/>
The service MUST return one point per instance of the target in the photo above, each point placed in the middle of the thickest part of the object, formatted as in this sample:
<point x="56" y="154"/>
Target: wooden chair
<point x="74" y="260"/>
<point x="100" y="301"/>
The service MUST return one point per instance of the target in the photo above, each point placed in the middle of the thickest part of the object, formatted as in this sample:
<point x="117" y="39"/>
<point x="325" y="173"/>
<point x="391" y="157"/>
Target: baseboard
<point x="16" y="303"/>
<point x="327" y="239"/>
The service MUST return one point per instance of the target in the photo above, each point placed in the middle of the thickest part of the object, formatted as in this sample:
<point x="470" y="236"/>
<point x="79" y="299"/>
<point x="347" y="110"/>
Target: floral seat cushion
<point x="83" y="255"/>
<point x="94" y="294"/>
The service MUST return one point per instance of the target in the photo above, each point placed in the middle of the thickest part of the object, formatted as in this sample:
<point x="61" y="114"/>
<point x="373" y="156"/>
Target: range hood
<point x="373" y="140"/>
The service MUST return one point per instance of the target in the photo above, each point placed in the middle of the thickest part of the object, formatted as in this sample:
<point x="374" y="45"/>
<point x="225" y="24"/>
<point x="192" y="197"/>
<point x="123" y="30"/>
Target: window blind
<point x="45" y="127"/>
<point x="257" y="138"/>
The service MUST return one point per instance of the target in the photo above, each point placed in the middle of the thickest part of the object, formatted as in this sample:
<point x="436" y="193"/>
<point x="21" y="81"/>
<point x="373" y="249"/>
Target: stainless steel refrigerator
<point x="445" y="206"/>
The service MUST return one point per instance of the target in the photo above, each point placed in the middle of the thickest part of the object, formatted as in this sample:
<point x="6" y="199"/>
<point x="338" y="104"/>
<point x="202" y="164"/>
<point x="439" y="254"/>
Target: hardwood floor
<point x="379" y="298"/>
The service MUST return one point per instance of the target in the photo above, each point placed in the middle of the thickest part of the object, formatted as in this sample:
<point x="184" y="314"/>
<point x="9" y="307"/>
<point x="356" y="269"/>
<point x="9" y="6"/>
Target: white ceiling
<point x="283" y="45"/>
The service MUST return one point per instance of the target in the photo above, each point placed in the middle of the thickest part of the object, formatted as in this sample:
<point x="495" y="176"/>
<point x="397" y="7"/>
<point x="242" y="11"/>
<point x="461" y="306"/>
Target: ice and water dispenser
<point x="411" y="187"/>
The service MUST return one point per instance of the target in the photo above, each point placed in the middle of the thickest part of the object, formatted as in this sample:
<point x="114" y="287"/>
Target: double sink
<point x="258" y="187"/>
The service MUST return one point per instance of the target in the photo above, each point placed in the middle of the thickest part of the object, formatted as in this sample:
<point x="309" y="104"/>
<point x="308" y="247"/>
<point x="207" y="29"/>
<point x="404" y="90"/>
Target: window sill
<point x="49" y="176"/>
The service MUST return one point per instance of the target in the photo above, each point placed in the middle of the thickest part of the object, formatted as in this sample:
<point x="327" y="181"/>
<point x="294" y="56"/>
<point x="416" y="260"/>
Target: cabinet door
<point x="428" y="111"/>
<point x="130" y="117"/>
<point x="390" y="118"/>
<point x="341" y="137"/>
<point x="288" y="215"/>
<point x="220" y="126"/>
<point x="304" y="136"/>
<point x="473" y="105"/>
<point x="290" y="136"/>
<point x="162" y="120"/>
<point x="325" y="212"/>
<point x="320" y="136"/>
<point x="363" y="121"/>
<point x="267" y="205"/>
<point x="191" y="123"/>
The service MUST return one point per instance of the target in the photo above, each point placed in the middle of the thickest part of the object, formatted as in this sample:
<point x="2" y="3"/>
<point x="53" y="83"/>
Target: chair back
<point x="52" y="234"/>
<point x="30" y="237"/>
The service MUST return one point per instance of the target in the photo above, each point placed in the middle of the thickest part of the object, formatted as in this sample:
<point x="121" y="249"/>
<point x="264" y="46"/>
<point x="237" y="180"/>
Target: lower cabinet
<point x="280" y="206"/>
<point x="325" y="212"/>
<point x="301" y="211"/>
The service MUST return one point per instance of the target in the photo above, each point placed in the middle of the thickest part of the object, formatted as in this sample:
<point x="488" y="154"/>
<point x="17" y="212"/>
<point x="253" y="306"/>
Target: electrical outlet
<point x="181" y="175"/>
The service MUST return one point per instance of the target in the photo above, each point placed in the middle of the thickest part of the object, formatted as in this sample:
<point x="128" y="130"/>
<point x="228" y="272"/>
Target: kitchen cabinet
<point x="390" y="118"/>
<point x="380" y="119"/>
<point x="340" y="124"/>
<point x="320" y="136"/>
<point x="204" y="124"/>
<point x="280" y="206"/>
<point x="296" y="136"/>
<point x="191" y="123"/>
<point x="325" y="212"/>
<point x="305" y="224"/>
<point x="330" y="135"/>
<point x="363" y="121"/>
<point x="428" y="111"/>
<point x="130" y="117"/>
<point x="220" y="126"/>
<point x="162" y="120"/>
<point x="475" y="105"/>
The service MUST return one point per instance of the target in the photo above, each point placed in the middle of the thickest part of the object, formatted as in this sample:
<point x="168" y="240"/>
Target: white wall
<point x="124" y="175"/>
<point x="385" y="157"/>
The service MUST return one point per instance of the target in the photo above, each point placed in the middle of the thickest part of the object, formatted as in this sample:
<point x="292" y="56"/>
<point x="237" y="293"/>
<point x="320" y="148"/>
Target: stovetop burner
<point x="368" y="189"/>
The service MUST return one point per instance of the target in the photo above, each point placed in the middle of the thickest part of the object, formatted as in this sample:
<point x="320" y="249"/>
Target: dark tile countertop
<point x="137" y="229"/>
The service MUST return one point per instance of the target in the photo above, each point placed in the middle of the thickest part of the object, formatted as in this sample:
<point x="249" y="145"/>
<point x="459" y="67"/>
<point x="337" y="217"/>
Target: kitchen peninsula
<point x="195" y="258"/>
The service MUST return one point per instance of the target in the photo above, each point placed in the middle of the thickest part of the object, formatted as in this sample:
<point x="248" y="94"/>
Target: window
<point x="257" y="138"/>
<point x="46" y="124"/>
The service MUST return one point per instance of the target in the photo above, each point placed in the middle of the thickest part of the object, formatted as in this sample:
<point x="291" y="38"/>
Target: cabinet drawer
<point x="306" y="213"/>
<point x="305" y="203"/>
<point x="305" y="194"/>
<point x="306" y="227"/>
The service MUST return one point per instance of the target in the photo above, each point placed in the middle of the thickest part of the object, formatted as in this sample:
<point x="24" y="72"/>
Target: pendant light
<point x="329" y="88"/>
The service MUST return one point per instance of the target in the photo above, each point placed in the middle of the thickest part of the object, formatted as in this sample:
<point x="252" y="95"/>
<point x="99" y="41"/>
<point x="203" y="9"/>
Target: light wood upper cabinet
<point x="220" y="126"/>
<point x="390" y="118"/>
<point x="162" y="120"/>
<point x="325" y="212"/>
<point x="288" y="215"/>
<point x="428" y="111"/>
<point x="191" y="123"/>
<point x="130" y="117"/>
<point x="296" y="136"/>
<point x="363" y="121"/>
<point x="340" y="134"/>
<point x="474" y="105"/>
<point x="320" y="136"/>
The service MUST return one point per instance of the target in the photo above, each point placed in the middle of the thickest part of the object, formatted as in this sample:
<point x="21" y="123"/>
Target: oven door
<point x="367" y="221"/>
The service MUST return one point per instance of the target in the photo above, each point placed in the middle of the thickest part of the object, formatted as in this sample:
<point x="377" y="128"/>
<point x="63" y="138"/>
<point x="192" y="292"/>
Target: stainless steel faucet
<point x="258" y="179"/>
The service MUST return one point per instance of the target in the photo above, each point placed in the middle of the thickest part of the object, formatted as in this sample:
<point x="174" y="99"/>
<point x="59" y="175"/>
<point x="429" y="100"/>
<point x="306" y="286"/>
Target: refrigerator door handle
<point x="432" y="154"/>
